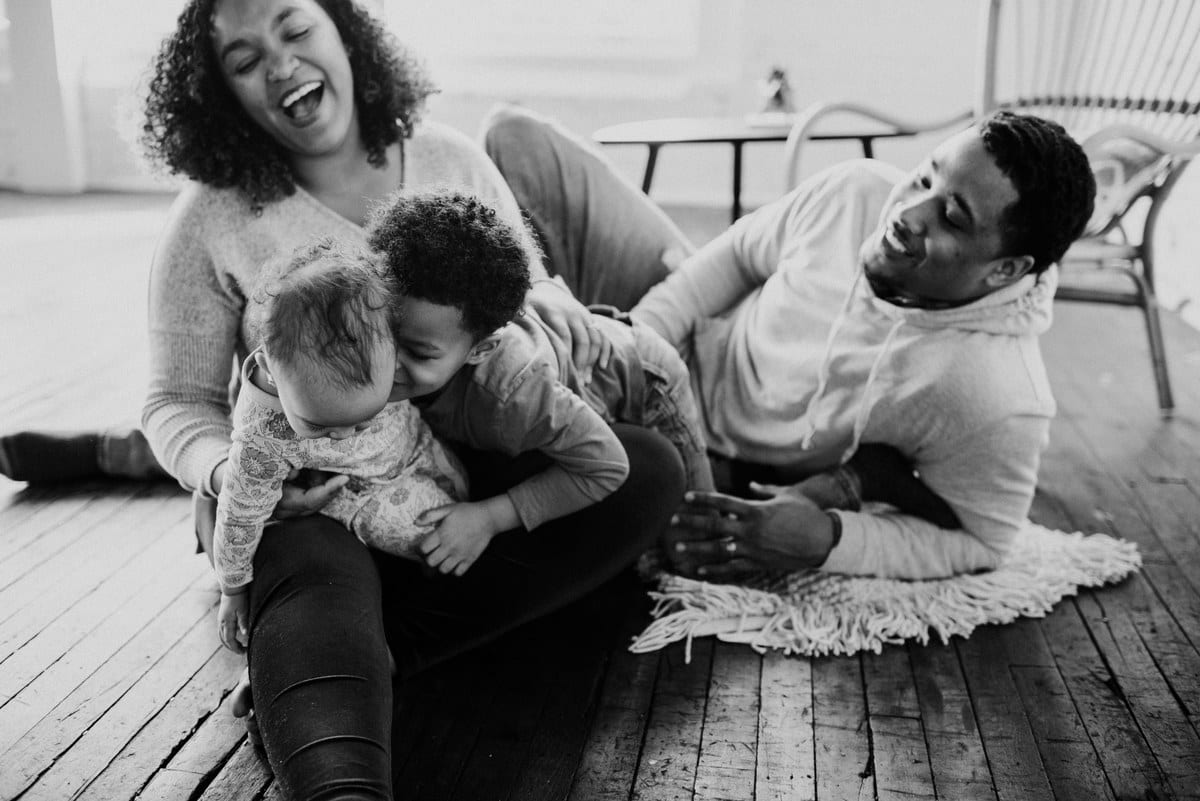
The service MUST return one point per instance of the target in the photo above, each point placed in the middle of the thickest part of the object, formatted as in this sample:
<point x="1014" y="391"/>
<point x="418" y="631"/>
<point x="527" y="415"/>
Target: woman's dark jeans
<point x="324" y="607"/>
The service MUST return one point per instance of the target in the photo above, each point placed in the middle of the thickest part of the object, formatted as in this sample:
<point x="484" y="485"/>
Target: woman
<point x="292" y="117"/>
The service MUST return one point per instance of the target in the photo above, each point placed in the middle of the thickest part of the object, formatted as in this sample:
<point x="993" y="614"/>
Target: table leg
<point x="737" y="181"/>
<point x="651" y="158"/>
<point x="868" y="150"/>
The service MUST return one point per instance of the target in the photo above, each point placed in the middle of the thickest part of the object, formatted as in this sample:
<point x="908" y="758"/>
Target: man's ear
<point x="482" y="348"/>
<point x="1008" y="270"/>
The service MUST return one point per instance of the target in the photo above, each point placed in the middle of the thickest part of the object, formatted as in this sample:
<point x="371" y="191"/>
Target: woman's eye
<point x="298" y="33"/>
<point x="244" y="66"/>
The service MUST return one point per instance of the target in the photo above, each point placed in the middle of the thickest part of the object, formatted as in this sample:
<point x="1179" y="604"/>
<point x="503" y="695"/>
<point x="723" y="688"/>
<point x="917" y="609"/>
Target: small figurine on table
<point x="777" y="100"/>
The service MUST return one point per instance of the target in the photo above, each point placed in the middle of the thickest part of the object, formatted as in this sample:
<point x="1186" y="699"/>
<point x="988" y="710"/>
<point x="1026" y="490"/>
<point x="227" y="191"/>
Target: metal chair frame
<point x="1116" y="73"/>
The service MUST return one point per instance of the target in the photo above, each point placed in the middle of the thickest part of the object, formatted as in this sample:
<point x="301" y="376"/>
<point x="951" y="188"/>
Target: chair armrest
<point x="806" y="122"/>
<point x="1184" y="149"/>
<point x="1129" y="163"/>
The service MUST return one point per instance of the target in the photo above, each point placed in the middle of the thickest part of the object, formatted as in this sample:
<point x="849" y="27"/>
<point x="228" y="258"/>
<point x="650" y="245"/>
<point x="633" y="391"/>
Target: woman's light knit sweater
<point x="209" y="254"/>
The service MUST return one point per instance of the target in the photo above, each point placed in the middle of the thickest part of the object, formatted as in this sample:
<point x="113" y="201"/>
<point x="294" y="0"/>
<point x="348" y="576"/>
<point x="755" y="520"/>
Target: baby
<point x="490" y="374"/>
<point x="318" y="393"/>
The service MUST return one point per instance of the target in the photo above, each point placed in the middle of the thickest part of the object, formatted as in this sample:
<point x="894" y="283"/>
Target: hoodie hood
<point x="1024" y="308"/>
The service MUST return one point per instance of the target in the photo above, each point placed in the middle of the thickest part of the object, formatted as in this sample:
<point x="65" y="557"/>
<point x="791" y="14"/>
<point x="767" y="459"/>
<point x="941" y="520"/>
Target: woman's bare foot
<point x="241" y="703"/>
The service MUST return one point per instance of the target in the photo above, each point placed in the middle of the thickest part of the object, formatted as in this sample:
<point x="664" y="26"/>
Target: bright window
<point x="111" y="43"/>
<point x="554" y="47"/>
<point x="5" y="55"/>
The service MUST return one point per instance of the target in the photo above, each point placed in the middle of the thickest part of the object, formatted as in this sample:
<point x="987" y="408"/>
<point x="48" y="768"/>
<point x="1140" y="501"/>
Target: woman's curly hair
<point x="194" y="126"/>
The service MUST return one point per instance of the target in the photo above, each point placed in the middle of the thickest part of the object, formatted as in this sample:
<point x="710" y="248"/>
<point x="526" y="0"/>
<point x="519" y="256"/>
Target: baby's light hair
<point x="325" y="305"/>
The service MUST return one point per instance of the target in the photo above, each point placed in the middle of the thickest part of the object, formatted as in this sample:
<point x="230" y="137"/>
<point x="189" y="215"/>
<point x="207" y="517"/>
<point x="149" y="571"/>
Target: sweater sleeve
<point x="193" y="321"/>
<point x="987" y="477"/>
<point x="589" y="462"/>
<point x="738" y="262"/>
<point x="718" y="276"/>
<point x="258" y="466"/>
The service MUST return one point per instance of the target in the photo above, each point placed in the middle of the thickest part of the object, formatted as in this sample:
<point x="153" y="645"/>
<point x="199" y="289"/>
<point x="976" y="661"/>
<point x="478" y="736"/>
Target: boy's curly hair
<point x="327" y="304"/>
<point x="454" y="250"/>
<point x="194" y="126"/>
<point x="1055" y="185"/>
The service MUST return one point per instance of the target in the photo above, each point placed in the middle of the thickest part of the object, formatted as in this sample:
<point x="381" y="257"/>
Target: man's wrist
<point x="835" y="537"/>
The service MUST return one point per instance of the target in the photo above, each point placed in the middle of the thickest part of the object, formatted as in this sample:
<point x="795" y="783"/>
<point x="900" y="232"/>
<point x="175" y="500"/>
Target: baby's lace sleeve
<point x="258" y="465"/>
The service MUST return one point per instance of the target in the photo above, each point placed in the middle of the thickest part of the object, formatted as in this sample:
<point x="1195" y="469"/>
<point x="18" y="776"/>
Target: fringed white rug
<point x="813" y="613"/>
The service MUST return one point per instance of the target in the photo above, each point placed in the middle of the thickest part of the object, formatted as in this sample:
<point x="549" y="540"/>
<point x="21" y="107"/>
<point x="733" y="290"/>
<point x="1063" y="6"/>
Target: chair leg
<point x="1158" y="352"/>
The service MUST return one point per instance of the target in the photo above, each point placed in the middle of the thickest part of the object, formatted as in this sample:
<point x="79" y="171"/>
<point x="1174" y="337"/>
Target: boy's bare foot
<point x="838" y="488"/>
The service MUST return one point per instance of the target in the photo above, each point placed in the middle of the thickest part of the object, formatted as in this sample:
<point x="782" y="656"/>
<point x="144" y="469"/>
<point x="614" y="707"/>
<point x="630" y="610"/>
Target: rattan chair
<point x="1124" y="77"/>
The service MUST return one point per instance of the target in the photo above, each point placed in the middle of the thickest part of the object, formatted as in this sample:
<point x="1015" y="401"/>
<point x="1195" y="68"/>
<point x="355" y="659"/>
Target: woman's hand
<point x="232" y="616"/>
<point x="307" y="491"/>
<point x="571" y="320"/>
<point x="718" y="537"/>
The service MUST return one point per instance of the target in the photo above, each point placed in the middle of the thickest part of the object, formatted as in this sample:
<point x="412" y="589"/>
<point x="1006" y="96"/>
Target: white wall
<point x="911" y="56"/>
<point x="915" y="57"/>
<point x="42" y="128"/>
<point x="869" y="49"/>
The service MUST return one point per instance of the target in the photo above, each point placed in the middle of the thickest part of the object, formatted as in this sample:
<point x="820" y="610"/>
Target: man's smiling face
<point x="939" y="241"/>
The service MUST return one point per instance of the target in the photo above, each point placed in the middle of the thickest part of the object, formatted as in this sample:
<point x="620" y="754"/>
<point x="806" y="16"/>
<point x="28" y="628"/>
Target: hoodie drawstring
<point x="826" y="357"/>
<point x="865" y="400"/>
<point x="868" y="402"/>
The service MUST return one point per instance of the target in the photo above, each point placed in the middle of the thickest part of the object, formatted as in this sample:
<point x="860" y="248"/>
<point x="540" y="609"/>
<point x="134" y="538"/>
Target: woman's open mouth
<point x="301" y="103"/>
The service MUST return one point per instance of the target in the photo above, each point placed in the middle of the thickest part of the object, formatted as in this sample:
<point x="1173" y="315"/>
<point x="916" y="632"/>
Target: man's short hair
<point x="325" y="305"/>
<point x="455" y="250"/>
<point x="1055" y="186"/>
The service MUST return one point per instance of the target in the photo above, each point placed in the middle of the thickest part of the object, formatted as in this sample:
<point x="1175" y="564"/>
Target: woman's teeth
<point x="302" y="99"/>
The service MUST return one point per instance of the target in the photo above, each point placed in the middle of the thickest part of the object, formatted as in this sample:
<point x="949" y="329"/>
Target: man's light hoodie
<point x="796" y="362"/>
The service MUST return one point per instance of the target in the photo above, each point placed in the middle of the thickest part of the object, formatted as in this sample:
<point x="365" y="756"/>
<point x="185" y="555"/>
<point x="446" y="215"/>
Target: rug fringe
<point x="810" y="613"/>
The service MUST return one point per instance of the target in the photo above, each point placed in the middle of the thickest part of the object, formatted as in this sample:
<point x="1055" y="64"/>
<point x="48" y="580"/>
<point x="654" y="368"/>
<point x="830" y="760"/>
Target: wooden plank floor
<point x="113" y="685"/>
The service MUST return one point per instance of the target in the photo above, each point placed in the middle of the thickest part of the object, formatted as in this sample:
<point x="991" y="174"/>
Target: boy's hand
<point x="462" y="534"/>
<point x="232" y="625"/>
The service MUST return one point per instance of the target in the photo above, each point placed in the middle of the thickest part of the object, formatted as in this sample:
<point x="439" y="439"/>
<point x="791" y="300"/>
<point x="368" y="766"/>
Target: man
<point x="864" y="308"/>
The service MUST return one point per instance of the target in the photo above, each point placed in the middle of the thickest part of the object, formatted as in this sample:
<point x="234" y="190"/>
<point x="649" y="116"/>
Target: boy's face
<point x="431" y="346"/>
<point x="316" y="406"/>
